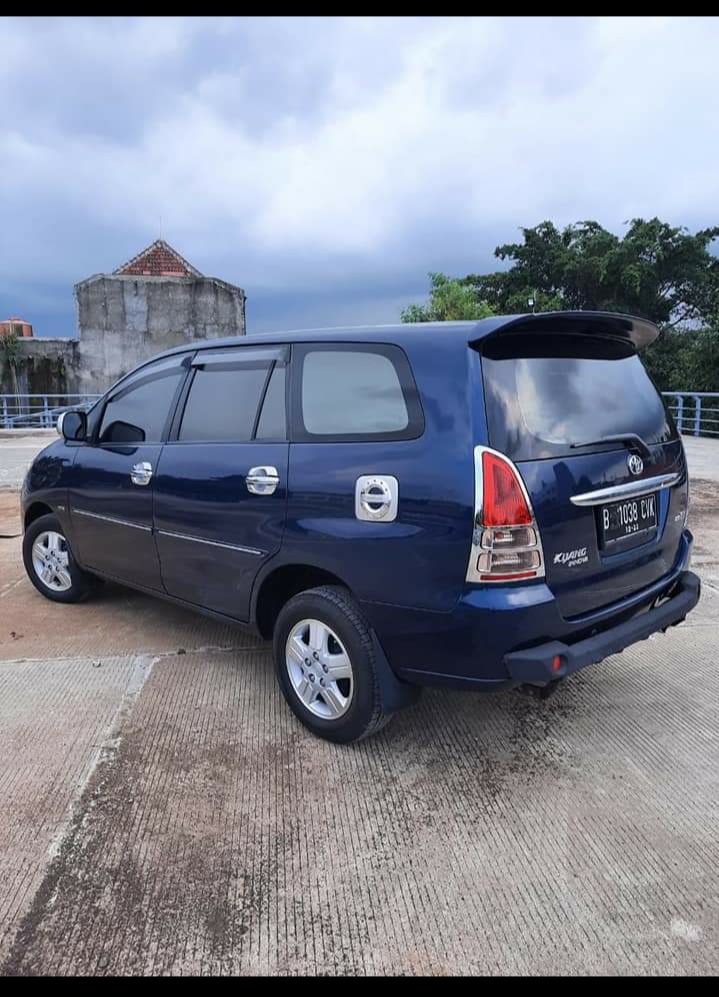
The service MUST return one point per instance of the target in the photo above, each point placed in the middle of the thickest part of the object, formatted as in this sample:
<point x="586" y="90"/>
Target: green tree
<point x="449" y="299"/>
<point x="701" y="362"/>
<point x="668" y="360"/>
<point x="10" y="352"/>
<point x="658" y="271"/>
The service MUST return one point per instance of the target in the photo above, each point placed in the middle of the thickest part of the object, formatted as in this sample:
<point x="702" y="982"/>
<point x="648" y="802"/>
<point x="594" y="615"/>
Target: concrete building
<point x="155" y="301"/>
<point x="15" y="327"/>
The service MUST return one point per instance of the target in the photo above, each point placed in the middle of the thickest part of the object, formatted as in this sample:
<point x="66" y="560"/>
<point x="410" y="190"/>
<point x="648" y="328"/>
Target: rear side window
<point x="139" y="409"/>
<point x="546" y="397"/>
<point x="234" y="398"/>
<point x="356" y="392"/>
<point x="222" y="405"/>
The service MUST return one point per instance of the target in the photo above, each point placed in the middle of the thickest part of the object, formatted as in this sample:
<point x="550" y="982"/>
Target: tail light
<point x="506" y="545"/>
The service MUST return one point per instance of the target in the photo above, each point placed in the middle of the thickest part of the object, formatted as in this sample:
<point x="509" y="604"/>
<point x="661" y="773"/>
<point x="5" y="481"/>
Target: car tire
<point x="326" y="665"/>
<point x="50" y="565"/>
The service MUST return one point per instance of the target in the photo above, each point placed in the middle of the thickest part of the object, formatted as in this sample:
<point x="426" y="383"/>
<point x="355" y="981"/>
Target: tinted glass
<point x="139" y="409"/>
<point x="222" y="404"/>
<point x="352" y="392"/>
<point x="538" y="406"/>
<point x="273" y="420"/>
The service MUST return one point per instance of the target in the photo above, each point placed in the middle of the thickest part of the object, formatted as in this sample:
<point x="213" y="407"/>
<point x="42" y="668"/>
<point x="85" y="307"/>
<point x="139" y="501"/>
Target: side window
<point x="139" y="408"/>
<point x="235" y="396"/>
<point x="222" y="404"/>
<point x="352" y="392"/>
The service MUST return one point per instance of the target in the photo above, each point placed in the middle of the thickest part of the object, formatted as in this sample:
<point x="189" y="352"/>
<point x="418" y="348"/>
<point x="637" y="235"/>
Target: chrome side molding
<point x="211" y="543"/>
<point x="632" y="489"/>
<point x="110" y="519"/>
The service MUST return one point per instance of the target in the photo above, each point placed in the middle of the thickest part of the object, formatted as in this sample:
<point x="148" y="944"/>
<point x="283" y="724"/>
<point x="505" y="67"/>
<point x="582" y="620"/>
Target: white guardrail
<point x="695" y="412"/>
<point x="38" y="411"/>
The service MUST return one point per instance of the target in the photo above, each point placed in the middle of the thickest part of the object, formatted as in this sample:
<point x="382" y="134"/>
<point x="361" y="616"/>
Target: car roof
<point x="636" y="330"/>
<point x="399" y="332"/>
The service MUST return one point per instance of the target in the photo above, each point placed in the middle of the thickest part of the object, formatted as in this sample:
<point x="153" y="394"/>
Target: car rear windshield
<point x="545" y="396"/>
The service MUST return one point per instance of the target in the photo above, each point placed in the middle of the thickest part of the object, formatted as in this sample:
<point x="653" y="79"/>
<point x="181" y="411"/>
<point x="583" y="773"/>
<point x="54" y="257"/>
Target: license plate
<point x="618" y="520"/>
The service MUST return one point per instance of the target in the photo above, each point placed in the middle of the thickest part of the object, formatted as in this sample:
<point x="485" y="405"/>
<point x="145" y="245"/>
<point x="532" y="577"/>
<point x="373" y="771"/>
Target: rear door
<point x="610" y="511"/>
<point x="221" y="487"/>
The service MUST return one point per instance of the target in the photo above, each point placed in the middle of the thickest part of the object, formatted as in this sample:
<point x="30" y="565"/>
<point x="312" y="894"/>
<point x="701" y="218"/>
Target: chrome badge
<point x="636" y="464"/>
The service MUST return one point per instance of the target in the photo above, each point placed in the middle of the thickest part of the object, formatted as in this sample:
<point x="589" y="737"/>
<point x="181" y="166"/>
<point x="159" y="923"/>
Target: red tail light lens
<point x="503" y="502"/>
<point x="506" y="545"/>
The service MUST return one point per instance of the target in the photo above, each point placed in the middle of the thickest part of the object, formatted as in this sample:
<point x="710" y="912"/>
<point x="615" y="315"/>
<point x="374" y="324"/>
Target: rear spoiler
<point x="604" y="325"/>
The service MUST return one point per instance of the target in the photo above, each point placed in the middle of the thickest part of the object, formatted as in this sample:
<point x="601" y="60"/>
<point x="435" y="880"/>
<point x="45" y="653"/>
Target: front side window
<point x="352" y="392"/>
<point x="139" y="408"/>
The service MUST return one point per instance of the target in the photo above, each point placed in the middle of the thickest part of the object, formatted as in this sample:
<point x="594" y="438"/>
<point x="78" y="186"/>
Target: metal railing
<point x="38" y="411"/>
<point x="695" y="412"/>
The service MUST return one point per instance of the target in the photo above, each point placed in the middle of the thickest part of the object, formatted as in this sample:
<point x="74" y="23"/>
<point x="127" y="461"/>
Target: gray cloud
<point x="326" y="164"/>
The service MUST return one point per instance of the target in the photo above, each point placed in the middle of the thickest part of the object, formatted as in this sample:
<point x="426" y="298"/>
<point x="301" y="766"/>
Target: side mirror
<point x="72" y="426"/>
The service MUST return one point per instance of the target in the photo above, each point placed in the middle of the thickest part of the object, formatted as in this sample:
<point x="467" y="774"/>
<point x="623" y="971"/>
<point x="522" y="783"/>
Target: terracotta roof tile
<point x="158" y="260"/>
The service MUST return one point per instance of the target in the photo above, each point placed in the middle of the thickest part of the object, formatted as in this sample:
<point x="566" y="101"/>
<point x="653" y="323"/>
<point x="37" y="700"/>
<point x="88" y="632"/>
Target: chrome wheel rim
<point x="320" y="669"/>
<point x="51" y="561"/>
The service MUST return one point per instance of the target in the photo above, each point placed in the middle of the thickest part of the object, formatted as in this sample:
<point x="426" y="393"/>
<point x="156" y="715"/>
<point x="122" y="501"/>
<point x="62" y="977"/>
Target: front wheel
<point x="49" y="562"/>
<point x="325" y="663"/>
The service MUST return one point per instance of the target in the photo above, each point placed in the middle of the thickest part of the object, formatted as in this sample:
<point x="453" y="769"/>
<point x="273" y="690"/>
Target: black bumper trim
<point x="534" y="664"/>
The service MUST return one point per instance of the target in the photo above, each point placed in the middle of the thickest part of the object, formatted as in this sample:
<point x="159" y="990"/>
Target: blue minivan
<point x="476" y="505"/>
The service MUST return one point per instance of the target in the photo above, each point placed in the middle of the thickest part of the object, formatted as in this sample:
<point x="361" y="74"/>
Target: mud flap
<point x="396" y="695"/>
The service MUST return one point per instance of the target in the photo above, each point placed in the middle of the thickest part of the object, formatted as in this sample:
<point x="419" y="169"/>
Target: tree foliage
<point x="449" y="299"/>
<point x="685" y="360"/>
<point x="10" y="353"/>
<point x="660" y="272"/>
<point x="657" y="271"/>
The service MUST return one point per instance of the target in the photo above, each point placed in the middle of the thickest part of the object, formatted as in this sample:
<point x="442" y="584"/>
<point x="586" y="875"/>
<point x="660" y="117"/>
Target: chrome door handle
<point x="141" y="473"/>
<point x="262" y="480"/>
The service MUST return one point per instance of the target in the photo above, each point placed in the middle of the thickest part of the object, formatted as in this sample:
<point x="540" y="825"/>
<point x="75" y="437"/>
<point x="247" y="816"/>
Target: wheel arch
<point x="35" y="510"/>
<point x="281" y="583"/>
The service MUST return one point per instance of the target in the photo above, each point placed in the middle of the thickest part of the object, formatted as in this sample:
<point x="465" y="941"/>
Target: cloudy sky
<point x="326" y="165"/>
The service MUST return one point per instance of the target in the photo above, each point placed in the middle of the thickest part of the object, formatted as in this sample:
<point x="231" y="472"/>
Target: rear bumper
<point x="498" y="636"/>
<point x="534" y="665"/>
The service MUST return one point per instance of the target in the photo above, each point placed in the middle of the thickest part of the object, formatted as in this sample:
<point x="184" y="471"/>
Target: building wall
<point x="17" y="327"/>
<point x="123" y="320"/>
<point x="44" y="366"/>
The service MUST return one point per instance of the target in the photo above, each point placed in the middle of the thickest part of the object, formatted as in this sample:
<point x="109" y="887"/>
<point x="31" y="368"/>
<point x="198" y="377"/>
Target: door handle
<point x="262" y="480"/>
<point x="141" y="473"/>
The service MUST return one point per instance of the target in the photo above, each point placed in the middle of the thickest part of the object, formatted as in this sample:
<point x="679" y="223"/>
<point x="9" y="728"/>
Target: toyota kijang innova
<point x="468" y="504"/>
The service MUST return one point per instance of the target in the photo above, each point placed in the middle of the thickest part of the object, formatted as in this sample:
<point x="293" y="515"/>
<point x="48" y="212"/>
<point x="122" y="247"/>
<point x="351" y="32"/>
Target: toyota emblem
<point x="636" y="464"/>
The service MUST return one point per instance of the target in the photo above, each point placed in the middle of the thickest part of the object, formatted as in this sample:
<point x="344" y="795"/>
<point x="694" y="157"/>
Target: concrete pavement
<point x="17" y="451"/>
<point x="702" y="457"/>
<point x="161" y="811"/>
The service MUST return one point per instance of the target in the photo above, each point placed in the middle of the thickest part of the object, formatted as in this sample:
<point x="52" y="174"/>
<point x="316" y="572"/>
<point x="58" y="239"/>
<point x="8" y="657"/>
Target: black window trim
<point x="399" y="360"/>
<point x="255" y="357"/>
<point x="261" y="402"/>
<point x="134" y="379"/>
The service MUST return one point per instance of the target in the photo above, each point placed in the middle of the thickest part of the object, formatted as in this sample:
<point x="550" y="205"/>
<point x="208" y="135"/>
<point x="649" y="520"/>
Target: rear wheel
<point x="49" y="562"/>
<point x="325" y="663"/>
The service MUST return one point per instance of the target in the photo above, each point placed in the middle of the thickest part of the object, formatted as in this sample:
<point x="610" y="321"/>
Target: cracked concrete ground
<point x="163" y="812"/>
